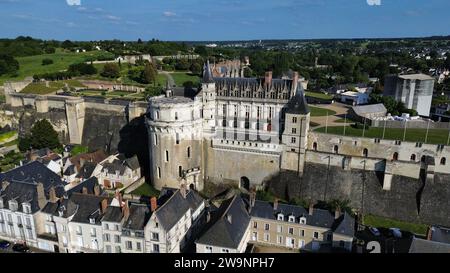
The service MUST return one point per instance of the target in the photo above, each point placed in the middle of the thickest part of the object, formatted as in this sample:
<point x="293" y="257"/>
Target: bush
<point x="47" y="61"/>
<point x="111" y="70"/>
<point x="82" y="69"/>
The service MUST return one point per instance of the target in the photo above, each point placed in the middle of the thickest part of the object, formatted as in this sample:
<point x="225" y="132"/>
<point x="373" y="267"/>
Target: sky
<point x="215" y="20"/>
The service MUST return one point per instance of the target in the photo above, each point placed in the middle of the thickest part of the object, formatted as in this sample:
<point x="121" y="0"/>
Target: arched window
<point x="189" y="152"/>
<point x="336" y="149"/>
<point x="176" y="115"/>
<point x="315" y="146"/>
<point x="443" y="161"/>
<point x="365" y="152"/>
<point x="395" y="156"/>
<point x="413" y="157"/>
<point x="423" y="158"/>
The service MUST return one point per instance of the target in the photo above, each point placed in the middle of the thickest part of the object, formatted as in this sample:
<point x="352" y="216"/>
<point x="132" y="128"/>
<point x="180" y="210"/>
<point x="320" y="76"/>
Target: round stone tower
<point x="175" y="134"/>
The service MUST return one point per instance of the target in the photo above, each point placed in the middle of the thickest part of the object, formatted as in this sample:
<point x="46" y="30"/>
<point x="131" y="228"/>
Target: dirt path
<point x="169" y="77"/>
<point x="340" y="110"/>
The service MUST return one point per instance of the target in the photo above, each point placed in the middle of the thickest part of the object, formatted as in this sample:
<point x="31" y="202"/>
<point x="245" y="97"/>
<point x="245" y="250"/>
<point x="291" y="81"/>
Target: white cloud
<point x="169" y="14"/>
<point x="374" y="2"/>
<point x="73" y="2"/>
<point x="112" y="17"/>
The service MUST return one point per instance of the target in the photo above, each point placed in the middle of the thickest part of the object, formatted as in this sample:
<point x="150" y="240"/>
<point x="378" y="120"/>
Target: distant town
<point x="266" y="146"/>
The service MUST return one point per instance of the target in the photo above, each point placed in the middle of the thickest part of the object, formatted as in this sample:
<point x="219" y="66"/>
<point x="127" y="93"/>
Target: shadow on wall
<point x="134" y="141"/>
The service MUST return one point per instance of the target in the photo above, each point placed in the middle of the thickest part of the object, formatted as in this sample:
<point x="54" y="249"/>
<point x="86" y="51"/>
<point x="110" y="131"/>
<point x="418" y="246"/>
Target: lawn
<point x="381" y="222"/>
<point x="7" y="135"/>
<point x="180" y="78"/>
<point x="79" y="149"/>
<point x="146" y="190"/>
<point x="32" y="65"/>
<point x="435" y="136"/>
<point x="320" y="112"/>
<point x="319" y="95"/>
<point x="40" y="88"/>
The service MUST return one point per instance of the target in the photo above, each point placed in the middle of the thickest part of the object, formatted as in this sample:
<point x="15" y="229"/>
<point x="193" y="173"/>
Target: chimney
<point x="268" y="78"/>
<point x="337" y="213"/>
<point x="85" y="190"/>
<point x="4" y="185"/>
<point x="183" y="190"/>
<point x="119" y="198"/>
<point x="275" y="204"/>
<point x="82" y="161"/>
<point x="153" y="204"/>
<point x="295" y="79"/>
<point x="52" y="195"/>
<point x="97" y="190"/>
<point x="125" y="211"/>
<point x="252" y="198"/>
<point x="208" y="216"/>
<point x="311" y="208"/>
<point x="430" y="233"/>
<point x="104" y="205"/>
<point x="42" y="200"/>
<point x="230" y="218"/>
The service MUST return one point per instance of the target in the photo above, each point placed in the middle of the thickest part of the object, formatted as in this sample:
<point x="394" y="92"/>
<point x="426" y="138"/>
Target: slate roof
<point x="223" y="233"/>
<point x="371" y="109"/>
<point x="138" y="218"/>
<point x="176" y="206"/>
<point x="440" y="234"/>
<point x="320" y="218"/>
<point x="89" y="206"/>
<point x="23" y="183"/>
<point x="121" y="164"/>
<point x="86" y="170"/>
<point x="426" y="246"/>
<point x="62" y="208"/>
<point x="113" y="214"/>
<point x="70" y="170"/>
<point x="207" y="74"/>
<point x="89" y="184"/>
<point x="95" y="157"/>
<point x="298" y="104"/>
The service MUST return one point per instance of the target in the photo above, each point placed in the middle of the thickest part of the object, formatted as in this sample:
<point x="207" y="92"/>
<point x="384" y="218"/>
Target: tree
<point x="111" y="70"/>
<point x="196" y="68"/>
<point x="47" y="61"/>
<point x="182" y="64"/>
<point x="42" y="136"/>
<point x="82" y="69"/>
<point x="149" y="74"/>
<point x="8" y="65"/>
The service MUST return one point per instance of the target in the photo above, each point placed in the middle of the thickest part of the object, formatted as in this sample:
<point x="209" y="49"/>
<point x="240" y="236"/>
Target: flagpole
<point x="448" y="139"/>
<point x="364" y="128"/>
<point x="404" y="132"/>
<point x="326" y="124"/>
<point x="345" y="122"/>
<point x="426" y="135"/>
<point x="384" y="128"/>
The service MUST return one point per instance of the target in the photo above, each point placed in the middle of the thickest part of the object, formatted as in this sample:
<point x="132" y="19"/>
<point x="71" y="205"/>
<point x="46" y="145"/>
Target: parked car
<point x="21" y="248"/>
<point x="396" y="232"/>
<point x="4" y="244"/>
<point x="374" y="231"/>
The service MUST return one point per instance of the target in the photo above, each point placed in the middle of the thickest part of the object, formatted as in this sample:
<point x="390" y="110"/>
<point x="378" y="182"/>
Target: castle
<point x="243" y="131"/>
<point x="234" y="130"/>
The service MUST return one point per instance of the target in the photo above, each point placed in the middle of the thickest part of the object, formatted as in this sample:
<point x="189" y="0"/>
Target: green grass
<point x="313" y="124"/>
<point x="180" y="78"/>
<point x="40" y="88"/>
<point x="319" y="95"/>
<point x="10" y="143"/>
<point x="146" y="190"/>
<point x="79" y="149"/>
<point x="382" y="222"/>
<point x="31" y="65"/>
<point x="342" y="120"/>
<point x="320" y="112"/>
<point x="7" y="135"/>
<point x="435" y="136"/>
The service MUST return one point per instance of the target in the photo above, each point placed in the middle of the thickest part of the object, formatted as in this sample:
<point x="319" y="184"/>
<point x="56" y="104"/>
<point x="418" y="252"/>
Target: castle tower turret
<point x="209" y="101"/>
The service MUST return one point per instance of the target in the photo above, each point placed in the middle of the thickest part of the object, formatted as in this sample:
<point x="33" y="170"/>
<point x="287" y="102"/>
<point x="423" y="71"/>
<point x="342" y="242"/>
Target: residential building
<point x="173" y="225"/>
<point x="112" y="222"/>
<point x="133" y="240"/>
<point x="117" y="172"/>
<point x="227" y="230"/>
<point x="24" y="192"/>
<point x="414" y="90"/>
<point x="294" y="227"/>
<point x="74" y="165"/>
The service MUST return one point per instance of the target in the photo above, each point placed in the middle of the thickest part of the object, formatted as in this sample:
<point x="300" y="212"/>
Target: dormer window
<point x="13" y="205"/>
<point x="280" y="217"/>
<point x="302" y="220"/>
<point x="26" y="208"/>
<point x="291" y="219"/>
<point x="1" y="203"/>
<point x="92" y="220"/>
